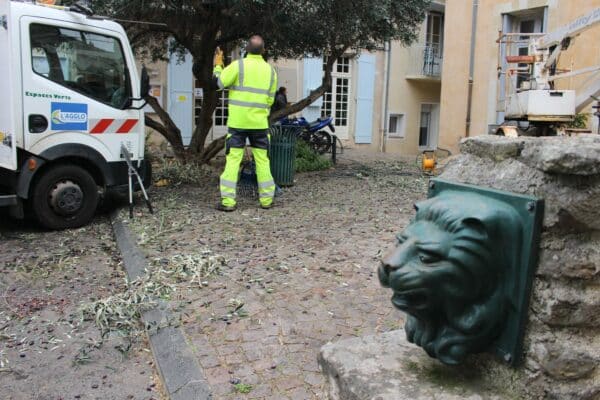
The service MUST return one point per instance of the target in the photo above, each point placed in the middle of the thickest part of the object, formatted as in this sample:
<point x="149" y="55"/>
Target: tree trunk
<point x="167" y="128"/>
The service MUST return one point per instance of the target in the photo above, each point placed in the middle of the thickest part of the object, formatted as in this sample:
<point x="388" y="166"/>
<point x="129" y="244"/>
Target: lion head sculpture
<point x="448" y="273"/>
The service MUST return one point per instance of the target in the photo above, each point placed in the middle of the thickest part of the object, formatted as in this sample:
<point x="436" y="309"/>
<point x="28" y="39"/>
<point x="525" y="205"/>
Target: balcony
<point x="424" y="63"/>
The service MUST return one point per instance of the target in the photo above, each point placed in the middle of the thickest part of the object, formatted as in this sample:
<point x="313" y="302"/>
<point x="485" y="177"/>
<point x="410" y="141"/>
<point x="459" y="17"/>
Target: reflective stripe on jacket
<point x="252" y="84"/>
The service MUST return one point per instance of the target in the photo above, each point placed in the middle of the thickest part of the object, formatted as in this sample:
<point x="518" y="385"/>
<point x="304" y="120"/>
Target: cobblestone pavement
<point x="299" y="275"/>
<point x="46" y="350"/>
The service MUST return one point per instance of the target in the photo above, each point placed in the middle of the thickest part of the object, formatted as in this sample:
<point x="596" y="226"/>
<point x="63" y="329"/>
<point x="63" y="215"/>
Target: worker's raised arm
<point x="224" y="77"/>
<point x="273" y="88"/>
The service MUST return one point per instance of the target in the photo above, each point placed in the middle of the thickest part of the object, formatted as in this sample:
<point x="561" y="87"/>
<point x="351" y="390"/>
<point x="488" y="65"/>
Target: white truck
<point x="71" y="95"/>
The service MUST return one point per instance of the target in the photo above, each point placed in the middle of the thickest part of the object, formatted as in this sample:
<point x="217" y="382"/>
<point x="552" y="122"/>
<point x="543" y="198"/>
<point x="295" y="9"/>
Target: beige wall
<point x="585" y="52"/>
<point x="455" y="85"/>
<point x="406" y="97"/>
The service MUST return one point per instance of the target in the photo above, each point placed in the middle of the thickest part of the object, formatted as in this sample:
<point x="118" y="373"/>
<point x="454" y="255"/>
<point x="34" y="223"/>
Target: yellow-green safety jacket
<point x="252" y="84"/>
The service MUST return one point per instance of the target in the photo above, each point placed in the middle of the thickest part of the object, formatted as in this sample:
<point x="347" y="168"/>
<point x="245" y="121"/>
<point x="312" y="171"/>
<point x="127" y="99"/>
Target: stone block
<point x="553" y="155"/>
<point x="575" y="392"/>
<point x="387" y="367"/>
<point x="564" y="155"/>
<point x="563" y="362"/>
<point x="571" y="199"/>
<point x="571" y="257"/>
<point x="563" y="306"/>
<point x="497" y="148"/>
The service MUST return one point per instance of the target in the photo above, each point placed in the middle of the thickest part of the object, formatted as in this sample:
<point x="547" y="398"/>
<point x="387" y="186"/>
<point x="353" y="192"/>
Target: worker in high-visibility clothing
<point x="252" y="84"/>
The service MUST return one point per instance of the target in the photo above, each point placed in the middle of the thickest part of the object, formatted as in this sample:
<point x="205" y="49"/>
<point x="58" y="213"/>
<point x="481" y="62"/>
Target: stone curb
<point x="178" y="367"/>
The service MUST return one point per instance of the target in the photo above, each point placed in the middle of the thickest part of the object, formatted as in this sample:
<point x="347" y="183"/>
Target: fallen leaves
<point x="121" y="313"/>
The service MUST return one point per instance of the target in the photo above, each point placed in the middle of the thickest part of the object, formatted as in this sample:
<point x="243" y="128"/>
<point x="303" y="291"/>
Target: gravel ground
<point x="46" y="350"/>
<point x="298" y="275"/>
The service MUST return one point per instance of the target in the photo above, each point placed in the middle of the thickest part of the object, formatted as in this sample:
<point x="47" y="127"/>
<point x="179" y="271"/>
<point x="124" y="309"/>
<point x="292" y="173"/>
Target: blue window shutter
<point x="363" y="132"/>
<point x="180" y="80"/>
<point x="313" y="77"/>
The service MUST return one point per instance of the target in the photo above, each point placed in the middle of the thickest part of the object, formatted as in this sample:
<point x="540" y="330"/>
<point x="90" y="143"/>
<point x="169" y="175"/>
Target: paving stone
<point x="264" y="364"/>
<point x="313" y="379"/>
<point x="209" y="361"/>
<point x="300" y="394"/>
<point x="288" y="382"/>
<point x="235" y="359"/>
<point x="217" y="376"/>
<point x="262" y="391"/>
<point x="228" y="350"/>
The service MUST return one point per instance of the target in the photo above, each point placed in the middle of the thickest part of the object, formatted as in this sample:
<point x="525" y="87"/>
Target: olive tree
<point x="292" y="29"/>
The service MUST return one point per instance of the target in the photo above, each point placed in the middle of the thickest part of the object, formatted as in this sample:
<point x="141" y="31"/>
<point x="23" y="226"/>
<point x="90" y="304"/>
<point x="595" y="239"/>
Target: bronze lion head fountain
<point x="455" y="272"/>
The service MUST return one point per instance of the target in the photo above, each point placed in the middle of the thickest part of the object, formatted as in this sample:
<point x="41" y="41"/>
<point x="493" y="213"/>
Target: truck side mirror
<point x="144" y="83"/>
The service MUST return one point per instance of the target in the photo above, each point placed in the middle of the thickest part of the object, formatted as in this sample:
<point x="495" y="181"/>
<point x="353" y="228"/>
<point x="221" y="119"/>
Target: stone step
<point x="387" y="367"/>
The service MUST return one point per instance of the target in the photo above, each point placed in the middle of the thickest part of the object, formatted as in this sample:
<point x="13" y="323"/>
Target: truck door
<point x="8" y="150"/>
<point x="76" y="86"/>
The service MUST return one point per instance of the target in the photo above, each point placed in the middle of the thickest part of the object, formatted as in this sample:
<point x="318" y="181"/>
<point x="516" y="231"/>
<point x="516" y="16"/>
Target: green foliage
<point x="308" y="160"/>
<point x="580" y="121"/>
<point x="292" y="28"/>
<point x="177" y="173"/>
<point x="243" y="388"/>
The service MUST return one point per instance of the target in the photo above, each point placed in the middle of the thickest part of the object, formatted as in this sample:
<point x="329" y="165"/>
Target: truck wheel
<point x="65" y="196"/>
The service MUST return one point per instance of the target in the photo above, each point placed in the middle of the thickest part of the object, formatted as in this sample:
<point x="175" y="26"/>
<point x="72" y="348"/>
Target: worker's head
<point x="256" y="45"/>
<point x="282" y="90"/>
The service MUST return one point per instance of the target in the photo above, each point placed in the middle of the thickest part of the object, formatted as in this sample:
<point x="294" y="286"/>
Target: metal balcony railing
<point x="425" y="61"/>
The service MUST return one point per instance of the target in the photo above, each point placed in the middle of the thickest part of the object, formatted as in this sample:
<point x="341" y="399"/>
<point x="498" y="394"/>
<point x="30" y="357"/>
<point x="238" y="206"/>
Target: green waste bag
<point x="282" y="152"/>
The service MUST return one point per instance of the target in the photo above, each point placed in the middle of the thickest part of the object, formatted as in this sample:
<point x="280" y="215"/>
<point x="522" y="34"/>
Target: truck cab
<point x="73" y="94"/>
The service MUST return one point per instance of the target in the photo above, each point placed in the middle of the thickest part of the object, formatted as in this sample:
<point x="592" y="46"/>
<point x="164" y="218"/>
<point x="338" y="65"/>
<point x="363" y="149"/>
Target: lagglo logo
<point x="60" y="117"/>
<point x="69" y="116"/>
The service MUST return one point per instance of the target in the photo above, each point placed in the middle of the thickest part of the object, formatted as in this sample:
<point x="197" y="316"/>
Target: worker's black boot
<point x="221" y="207"/>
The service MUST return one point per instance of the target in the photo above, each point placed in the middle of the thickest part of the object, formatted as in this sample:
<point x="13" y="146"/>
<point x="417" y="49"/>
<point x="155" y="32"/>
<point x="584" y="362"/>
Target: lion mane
<point x="463" y="294"/>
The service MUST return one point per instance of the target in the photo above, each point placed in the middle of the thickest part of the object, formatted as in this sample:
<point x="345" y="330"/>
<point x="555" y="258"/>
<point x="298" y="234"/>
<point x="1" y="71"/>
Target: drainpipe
<point x="472" y="65"/>
<point x="386" y="95"/>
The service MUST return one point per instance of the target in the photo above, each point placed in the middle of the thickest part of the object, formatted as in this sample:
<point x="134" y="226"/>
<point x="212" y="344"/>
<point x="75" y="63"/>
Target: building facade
<point x="387" y="100"/>
<point x="446" y="86"/>
<point x="474" y="83"/>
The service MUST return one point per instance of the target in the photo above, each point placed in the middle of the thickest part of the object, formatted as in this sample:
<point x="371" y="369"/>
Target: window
<point x="434" y="36"/>
<point x="396" y="125"/>
<point x="343" y="65"/>
<point x="88" y="63"/>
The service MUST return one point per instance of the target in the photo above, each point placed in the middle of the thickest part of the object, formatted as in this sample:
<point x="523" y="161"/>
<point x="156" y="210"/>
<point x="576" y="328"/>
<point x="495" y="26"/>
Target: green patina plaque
<point x="463" y="270"/>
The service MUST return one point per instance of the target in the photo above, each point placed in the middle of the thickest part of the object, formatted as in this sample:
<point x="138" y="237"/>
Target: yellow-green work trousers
<point x="234" y="150"/>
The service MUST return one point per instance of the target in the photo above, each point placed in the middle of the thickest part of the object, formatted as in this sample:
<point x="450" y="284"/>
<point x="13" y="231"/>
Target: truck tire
<point x="64" y="196"/>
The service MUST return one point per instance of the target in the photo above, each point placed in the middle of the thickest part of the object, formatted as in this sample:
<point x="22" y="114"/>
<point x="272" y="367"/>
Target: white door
<point x="429" y="126"/>
<point x="8" y="137"/>
<point x="336" y="102"/>
<point x="75" y="87"/>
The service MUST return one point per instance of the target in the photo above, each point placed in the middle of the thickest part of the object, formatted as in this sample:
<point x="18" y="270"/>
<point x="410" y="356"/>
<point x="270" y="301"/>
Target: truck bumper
<point x="8" y="200"/>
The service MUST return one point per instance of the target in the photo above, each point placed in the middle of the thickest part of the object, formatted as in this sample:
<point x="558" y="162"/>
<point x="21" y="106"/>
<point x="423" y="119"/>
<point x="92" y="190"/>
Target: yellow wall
<point x="407" y="95"/>
<point x="455" y="77"/>
<point x="453" y="126"/>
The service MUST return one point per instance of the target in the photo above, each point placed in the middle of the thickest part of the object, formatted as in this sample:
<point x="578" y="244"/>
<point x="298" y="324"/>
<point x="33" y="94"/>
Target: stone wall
<point x="562" y="345"/>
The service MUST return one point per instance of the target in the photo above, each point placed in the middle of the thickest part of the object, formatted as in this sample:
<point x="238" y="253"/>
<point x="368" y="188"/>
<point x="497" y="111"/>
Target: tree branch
<point x="213" y="149"/>
<point x="315" y="94"/>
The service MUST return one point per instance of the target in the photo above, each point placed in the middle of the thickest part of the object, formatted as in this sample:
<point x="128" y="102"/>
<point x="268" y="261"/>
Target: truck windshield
<point x="89" y="63"/>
